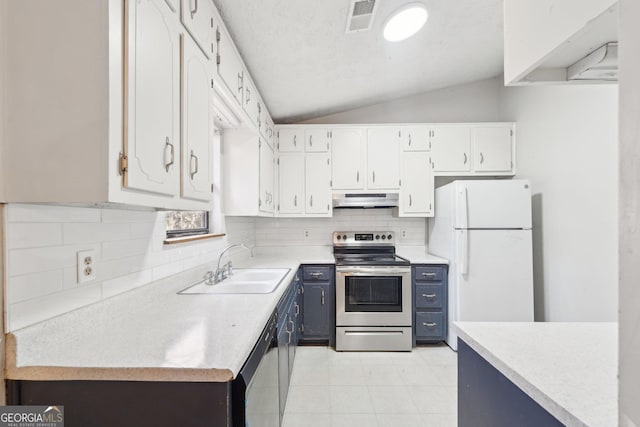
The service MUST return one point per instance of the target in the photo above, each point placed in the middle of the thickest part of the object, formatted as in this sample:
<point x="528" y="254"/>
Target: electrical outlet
<point x="86" y="263"/>
<point x="306" y="234"/>
<point x="404" y="233"/>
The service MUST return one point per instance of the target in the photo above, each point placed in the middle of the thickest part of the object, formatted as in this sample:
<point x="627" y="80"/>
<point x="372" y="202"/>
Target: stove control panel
<point x="363" y="238"/>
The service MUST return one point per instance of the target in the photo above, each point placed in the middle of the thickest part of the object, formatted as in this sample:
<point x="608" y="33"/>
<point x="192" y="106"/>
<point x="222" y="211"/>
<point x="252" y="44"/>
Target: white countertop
<point x="153" y="334"/>
<point x="570" y="369"/>
<point x="419" y="255"/>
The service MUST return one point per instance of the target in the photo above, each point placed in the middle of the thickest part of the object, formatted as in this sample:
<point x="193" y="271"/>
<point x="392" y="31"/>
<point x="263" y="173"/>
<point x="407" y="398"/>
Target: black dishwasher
<point x="255" y="390"/>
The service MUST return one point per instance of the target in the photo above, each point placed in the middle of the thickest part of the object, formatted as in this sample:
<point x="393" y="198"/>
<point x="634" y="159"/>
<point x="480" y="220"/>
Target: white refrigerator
<point x="484" y="229"/>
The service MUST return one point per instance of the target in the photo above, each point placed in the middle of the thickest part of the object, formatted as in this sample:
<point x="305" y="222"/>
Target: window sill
<point x="185" y="239"/>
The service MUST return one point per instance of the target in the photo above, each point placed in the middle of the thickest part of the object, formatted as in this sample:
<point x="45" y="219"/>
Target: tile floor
<point x="362" y="389"/>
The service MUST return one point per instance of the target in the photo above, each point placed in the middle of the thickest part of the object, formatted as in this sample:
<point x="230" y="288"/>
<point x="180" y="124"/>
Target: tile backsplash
<point x="42" y="242"/>
<point x="318" y="231"/>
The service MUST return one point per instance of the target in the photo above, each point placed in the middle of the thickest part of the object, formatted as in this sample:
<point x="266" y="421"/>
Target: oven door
<point x="373" y="296"/>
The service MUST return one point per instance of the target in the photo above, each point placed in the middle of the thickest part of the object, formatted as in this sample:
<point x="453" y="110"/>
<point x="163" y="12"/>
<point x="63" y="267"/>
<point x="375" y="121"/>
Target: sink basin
<point x="243" y="281"/>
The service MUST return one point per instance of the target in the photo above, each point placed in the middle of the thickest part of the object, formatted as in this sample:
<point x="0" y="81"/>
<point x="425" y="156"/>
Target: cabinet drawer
<point x="429" y="325"/>
<point x="429" y="296"/>
<point x="430" y="274"/>
<point x="321" y="273"/>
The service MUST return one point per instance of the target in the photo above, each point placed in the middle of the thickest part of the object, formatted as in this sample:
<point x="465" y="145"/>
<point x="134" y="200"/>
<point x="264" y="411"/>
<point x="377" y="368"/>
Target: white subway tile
<point x="128" y="216"/>
<point x="38" y="309"/>
<point x="28" y="286"/>
<point x="33" y="260"/>
<point x="86" y="233"/>
<point x="141" y="230"/>
<point x="17" y="212"/>
<point x="32" y="235"/>
<point x="125" y="283"/>
<point x="124" y="248"/>
<point x="166" y="270"/>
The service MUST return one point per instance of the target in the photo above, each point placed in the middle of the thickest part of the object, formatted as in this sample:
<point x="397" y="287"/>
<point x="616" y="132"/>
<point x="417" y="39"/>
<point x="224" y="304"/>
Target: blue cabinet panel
<point x="430" y="324"/>
<point x="429" y="302"/>
<point x="429" y="296"/>
<point x="318" y="303"/>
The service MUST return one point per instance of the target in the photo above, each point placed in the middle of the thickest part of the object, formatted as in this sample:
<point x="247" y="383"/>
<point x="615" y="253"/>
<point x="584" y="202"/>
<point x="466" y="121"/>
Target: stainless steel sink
<point x="243" y="281"/>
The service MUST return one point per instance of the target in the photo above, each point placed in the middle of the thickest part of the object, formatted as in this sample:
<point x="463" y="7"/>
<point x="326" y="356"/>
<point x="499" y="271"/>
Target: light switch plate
<point x="86" y="263"/>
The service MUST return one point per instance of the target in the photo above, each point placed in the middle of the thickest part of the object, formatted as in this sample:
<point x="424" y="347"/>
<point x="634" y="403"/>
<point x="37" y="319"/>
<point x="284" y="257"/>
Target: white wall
<point x="567" y="146"/>
<point x="318" y="231"/>
<point x="473" y="102"/>
<point x="42" y="242"/>
<point x="629" y="213"/>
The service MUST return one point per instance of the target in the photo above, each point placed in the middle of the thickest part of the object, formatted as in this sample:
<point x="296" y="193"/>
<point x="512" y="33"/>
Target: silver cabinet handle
<point x="429" y="274"/>
<point x="294" y="140"/>
<point x="315" y="274"/>
<point x="193" y="171"/>
<point x="409" y="139"/>
<point x="310" y="140"/>
<point x="194" y="11"/>
<point x="322" y="298"/>
<point x="374" y="176"/>
<point x="358" y="176"/>
<point x="429" y="295"/>
<point x="311" y="201"/>
<point x="297" y="308"/>
<point x="248" y="92"/>
<point x="429" y="325"/>
<point x="171" y="153"/>
<point x="481" y="158"/>
<point x="410" y="200"/>
<point x="465" y="158"/>
<point x="240" y="82"/>
<point x="295" y="200"/>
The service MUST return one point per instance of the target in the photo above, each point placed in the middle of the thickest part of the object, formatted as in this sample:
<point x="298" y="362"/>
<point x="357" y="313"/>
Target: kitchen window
<point x="187" y="223"/>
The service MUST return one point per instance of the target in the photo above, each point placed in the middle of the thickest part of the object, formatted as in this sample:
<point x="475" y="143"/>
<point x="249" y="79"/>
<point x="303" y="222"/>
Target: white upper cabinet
<point x="415" y="138"/>
<point x="492" y="149"/>
<point x="290" y="140"/>
<point x="383" y="158"/>
<point x="317" y="140"/>
<point x="318" y="184"/>
<point x="152" y="142"/>
<point x="251" y="103"/>
<point x="230" y="68"/>
<point x="197" y="126"/>
<point x="266" y="203"/>
<point x="451" y="149"/>
<point x="174" y="5"/>
<point x="291" y="184"/>
<point x="416" y="192"/>
<point x="348" y="159"/>
<point x="198" y="18"/>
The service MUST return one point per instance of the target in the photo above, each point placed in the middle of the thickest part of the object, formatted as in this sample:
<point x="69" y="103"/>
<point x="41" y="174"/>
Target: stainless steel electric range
<point x="373" y="293"/>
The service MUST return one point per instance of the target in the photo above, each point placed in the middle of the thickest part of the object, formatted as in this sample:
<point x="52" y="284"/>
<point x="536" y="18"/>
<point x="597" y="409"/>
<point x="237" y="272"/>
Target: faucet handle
<point x="229" y="268"/>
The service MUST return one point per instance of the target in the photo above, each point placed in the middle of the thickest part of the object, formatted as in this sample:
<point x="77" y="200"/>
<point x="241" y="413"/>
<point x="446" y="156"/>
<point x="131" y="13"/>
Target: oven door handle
<point x="372" y="271"/>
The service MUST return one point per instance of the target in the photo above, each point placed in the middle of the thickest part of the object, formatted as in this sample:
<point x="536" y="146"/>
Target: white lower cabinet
<point x="416" y="190"/>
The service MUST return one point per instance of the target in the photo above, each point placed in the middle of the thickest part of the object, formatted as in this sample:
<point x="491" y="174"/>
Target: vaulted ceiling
<point x="306" y="66"/>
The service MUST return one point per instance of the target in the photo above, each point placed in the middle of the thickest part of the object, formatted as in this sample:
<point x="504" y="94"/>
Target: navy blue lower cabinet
<point x="318" y="304"/>
<point x="429" y="287"/>
<point x="289" y="325"/>
<point x="486" y="398"/>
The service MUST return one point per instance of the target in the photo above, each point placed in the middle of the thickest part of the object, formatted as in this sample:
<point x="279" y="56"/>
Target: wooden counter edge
<point x="63" y="373"/>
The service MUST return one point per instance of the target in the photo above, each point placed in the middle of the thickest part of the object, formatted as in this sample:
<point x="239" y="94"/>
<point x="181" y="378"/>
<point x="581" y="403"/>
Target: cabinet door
<point x="383" y="158"/>
<point x="291" y="184"/>
<point x="153" y="98"/>
<point x="250" y="104"/>
<point x="291" y="140"/>
<point x="415" y="138"/>
<point x="492" y="149"/>
<point x="230" y="67"/>
<point x="197" y="126"/>
<point x="198" y="18"/>
<point x="416" y="193"/>
<point x="316" y="310"/>
<point x="266" y="202"/>
<point x="450" y="149"/>
<point x="283" y="364"/>
<point x="347" y="158"/>
<point x="318" y="184"/>
<point x="317" y="140"/>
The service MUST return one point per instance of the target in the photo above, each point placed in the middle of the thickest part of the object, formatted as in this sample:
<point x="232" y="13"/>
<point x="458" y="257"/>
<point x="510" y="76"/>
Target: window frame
<point x="174" y="234"/>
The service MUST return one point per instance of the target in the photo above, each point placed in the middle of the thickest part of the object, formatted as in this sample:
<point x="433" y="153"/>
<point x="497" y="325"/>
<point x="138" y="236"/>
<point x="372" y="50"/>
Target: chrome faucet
<point x="211" y="278"/>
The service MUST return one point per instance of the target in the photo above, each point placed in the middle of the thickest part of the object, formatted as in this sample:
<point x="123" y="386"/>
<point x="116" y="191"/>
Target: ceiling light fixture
<point x="405" y="22"/>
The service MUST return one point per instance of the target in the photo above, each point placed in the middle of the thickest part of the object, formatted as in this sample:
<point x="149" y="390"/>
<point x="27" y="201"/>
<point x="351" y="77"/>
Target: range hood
<point x="363" y="200"/>
<point x="601" y="64"/>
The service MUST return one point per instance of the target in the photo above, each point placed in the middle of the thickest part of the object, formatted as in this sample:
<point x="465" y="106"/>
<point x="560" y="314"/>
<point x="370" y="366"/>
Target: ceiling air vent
<point x="361" y="14"/>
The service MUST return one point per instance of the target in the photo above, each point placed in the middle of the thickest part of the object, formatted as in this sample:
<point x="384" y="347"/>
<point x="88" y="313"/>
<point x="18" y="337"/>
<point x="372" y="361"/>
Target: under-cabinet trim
<point x="184" y="239"/>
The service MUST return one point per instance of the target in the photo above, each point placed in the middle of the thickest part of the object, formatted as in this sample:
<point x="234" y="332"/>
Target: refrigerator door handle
<point x="462" y="208"/>
<point x="463" y="251"/>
